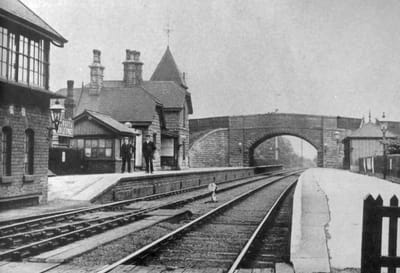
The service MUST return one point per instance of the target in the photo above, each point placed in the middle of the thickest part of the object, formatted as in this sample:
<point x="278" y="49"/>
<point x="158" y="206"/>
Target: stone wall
<point x="210" y="150"/>
<point x="133" y="187"/>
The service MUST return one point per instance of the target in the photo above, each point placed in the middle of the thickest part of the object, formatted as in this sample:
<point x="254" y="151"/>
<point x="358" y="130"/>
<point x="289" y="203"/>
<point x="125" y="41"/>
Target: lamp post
<point x="56" y="115"/>
<point x="384" y="126"/>
<point x="56" y="111"/>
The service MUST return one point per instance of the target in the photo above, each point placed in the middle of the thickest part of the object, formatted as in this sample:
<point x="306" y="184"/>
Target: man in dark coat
<point x="148" y="149"/>
<point x="126" y="154"/>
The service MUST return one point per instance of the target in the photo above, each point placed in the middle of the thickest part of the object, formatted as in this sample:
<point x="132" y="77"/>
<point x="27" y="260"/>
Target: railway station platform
<point x="327" y="219"/>
<point x="103" y="188"/>
<point x="78" y="191"/>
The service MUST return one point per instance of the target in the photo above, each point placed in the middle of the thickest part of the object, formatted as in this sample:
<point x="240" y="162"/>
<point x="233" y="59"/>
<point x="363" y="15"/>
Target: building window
<point x="29" y="151"/>
<point x="23" y="59"/>
<point x="6" y="155"/>
<point x="96" y="148"/>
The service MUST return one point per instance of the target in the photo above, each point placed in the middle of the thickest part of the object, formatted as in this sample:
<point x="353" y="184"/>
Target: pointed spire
<point x="167" y="70"/>
<point x="369" y="116"/>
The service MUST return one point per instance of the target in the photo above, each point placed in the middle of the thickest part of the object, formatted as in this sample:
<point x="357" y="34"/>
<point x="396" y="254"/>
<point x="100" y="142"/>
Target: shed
<point x="363" y="142"/>
<point x="98" y="136"/>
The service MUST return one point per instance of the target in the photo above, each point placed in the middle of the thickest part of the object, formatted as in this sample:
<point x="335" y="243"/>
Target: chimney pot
<point x="96" y="56"/>
<point x="69" y="101"/>
<point x="132" y="68"/>
<point x="136" y="56"/>
<point x="96" y="73"/>
<point x="70" y="84"/>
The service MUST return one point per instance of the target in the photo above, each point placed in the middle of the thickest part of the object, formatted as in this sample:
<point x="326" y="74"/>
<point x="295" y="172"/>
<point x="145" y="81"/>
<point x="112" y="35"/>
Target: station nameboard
<point x="65" y="128"/>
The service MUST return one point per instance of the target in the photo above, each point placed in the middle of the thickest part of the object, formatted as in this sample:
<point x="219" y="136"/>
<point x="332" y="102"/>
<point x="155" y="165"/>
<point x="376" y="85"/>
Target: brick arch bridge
<point x="244" y="133"/>
<point x="253" y="144"/>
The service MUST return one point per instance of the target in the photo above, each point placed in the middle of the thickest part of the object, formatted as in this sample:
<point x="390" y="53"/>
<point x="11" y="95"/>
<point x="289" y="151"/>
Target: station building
<point x="24" y="104"/>
<point x="363" y="142"/>
<point x="158" y="107"/>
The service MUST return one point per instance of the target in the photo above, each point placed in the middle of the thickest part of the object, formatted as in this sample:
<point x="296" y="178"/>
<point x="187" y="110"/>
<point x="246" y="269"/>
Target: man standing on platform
<point x="126" y="154"/>
<point x="148" y="149"/>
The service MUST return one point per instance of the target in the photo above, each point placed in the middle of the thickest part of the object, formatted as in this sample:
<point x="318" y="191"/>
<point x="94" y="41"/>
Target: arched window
<point x="29" y="149"/>
<point x="6" y="150"/>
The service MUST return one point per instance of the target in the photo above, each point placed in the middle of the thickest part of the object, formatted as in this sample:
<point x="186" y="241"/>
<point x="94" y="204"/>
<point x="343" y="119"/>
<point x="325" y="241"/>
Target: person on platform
<point x="148" y="150"/>
<point x="126" y="154"/>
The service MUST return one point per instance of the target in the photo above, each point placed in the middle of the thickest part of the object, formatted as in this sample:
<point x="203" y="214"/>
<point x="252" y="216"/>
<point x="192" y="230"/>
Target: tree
<point x="264" y="154"/>
<point x="393" y="146"/>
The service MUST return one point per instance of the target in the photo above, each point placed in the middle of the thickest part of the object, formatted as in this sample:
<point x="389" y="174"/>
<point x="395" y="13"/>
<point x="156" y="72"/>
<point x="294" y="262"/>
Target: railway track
<point x="220" y="239"/>
<point x="27" y="238"/>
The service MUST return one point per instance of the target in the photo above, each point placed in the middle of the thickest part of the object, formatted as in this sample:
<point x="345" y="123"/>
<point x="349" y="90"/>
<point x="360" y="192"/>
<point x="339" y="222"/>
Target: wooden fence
<point x="372" y="259"/>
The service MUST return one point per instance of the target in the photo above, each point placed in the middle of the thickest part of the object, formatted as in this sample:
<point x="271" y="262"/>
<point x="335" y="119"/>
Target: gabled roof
<point x="370" y="130"/>
<point x="167" y="70"/>
<point x="122" y="103"/>
<point x="108" y="122"/>
<point x="169" y="93"/>
<point x="18" y="12"/>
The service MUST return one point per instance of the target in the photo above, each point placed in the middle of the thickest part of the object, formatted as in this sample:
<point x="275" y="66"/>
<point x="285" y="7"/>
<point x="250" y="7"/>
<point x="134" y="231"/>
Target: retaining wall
<point x="133" y="187"/>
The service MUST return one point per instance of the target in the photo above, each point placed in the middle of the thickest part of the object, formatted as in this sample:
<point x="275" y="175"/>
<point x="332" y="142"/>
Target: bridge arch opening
<point x="290" y="150"/>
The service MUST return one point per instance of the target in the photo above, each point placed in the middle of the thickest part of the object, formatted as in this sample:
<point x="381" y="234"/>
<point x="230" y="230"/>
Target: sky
<point x="243" y="57"/>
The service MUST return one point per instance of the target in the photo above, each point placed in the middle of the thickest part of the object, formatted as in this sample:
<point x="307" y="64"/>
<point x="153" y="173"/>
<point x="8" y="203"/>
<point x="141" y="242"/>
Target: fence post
<point x="371" y="236"/>
<point x="392" y="249"/>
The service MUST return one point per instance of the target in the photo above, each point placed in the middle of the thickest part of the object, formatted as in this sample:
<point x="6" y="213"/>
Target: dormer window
<point x="23" y="58"/>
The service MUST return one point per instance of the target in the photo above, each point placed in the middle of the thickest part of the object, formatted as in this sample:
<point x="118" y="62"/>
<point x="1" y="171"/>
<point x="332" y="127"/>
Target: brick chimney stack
<point x="132" y="68"/>
<point x="96" y="73"/>
<point x="69" y="101"/>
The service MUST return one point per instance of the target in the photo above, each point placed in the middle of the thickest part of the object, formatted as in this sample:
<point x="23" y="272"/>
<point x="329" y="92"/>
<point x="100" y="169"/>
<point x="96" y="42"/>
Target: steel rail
<point x="71" y="225"/>
<point x="108" y="224"/>
<point x="148" y="248"/>
<point x="259" y="229"/>
<point x="6" y="229"/>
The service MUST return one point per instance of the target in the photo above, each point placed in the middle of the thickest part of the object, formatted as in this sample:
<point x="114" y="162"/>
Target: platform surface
<point x="327" y="218"/>
<point x="87" y="187"/>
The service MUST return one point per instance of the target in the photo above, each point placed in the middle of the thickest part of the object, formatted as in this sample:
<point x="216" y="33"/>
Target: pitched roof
<point x="167" y="70"/>
<point x="108" y="122"/>
<point x="18" y="12"/>
<point x="370" y="130"/>
<point x="122" y="103"/>
<point x="169" y="93"/>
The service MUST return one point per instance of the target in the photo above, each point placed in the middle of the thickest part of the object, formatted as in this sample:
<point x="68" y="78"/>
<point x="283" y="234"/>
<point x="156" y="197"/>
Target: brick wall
<point x="211" y="150"/>
<point x="37" y="120"/>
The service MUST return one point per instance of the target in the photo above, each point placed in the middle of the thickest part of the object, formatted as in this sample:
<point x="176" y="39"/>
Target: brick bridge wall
<point x="245" y="133"/>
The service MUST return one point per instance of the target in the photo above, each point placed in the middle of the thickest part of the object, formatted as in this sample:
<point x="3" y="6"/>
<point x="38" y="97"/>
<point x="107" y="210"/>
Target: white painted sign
<point x="65" y="128"/>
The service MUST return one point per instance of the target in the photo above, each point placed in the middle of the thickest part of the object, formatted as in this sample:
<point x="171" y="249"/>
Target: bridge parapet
<point x="246" y="132"/>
